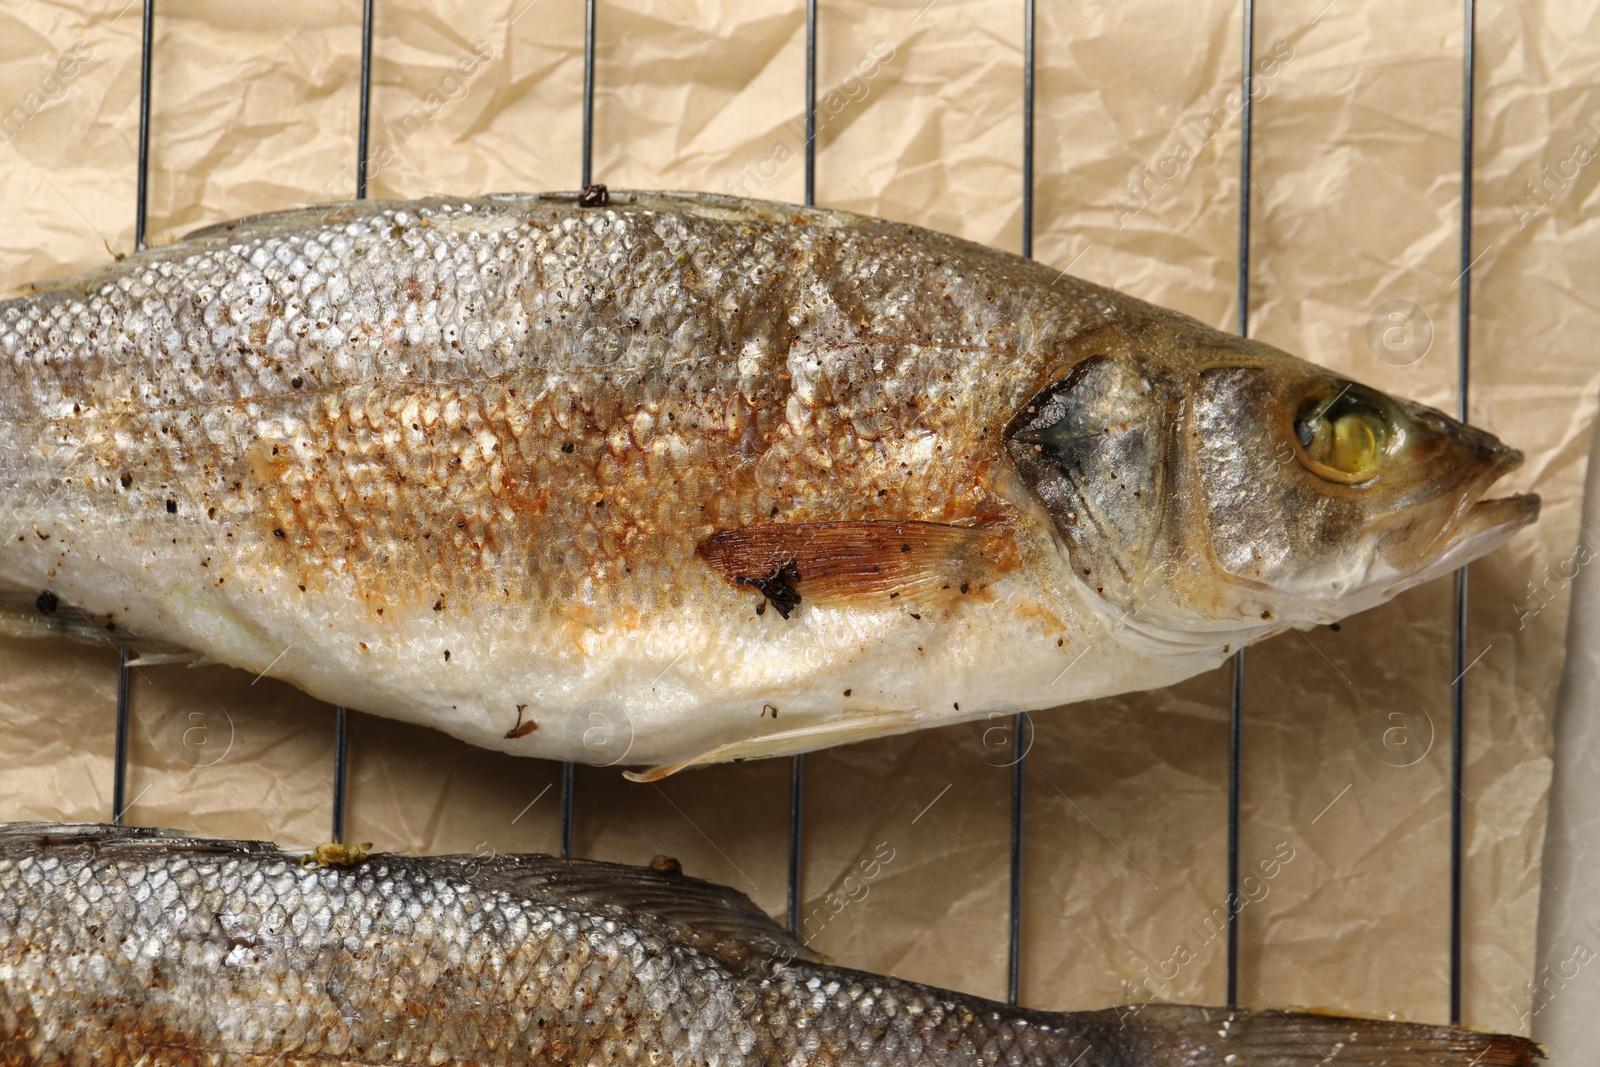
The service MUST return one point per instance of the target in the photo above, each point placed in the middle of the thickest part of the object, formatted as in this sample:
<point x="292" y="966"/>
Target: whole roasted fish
<point x="683" y="478"/>
<point x="140" y="946"/>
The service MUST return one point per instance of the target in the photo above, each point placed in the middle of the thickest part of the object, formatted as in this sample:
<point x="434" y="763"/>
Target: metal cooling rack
<point x="341" y="759"/>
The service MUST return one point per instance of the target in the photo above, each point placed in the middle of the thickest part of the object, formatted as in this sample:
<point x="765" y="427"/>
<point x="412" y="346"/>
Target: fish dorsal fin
<point x="711" y="918"/>
<point x="858" y="561"/>
<point x="31" y="837"/>
<point x="726" y="208"/>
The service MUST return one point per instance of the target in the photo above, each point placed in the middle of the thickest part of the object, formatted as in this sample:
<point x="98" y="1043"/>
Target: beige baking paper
<point x="1355" y="258"/>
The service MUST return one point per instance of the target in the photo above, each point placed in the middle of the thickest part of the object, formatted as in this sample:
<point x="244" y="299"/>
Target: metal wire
<point x="1458" y="685"/>
<point x="1020" y="726"/>
<point x="119" y="783"/>
<point x="1236" y="702"/>
<point x="119" y="773"/>
<point x="569" y="770"/>
<point x="811" y="102"/>
<point x="588" y="89"/>
<point x="569" y="782"/>
<point x="341" y="715"/>
<point x="1014" y="926"/>
<point x="797" y="768"/>
<point x="1235" y="778"/>
<point x="146" y="45"/>
<point x="341" y="769"/>
<point x="797" y="796"/>
<point x="364" y="118"/>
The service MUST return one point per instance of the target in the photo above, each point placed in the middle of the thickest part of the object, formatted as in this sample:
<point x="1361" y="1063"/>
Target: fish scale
<point x="122" y="946"/>
<point x="287" y="957"/>
<point x="413" y="467"/>
<point x="501" y="465"/>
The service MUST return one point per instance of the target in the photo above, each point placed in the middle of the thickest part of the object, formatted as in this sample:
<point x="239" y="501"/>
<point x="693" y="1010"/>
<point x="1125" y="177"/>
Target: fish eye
<point x="1342" y="437"/>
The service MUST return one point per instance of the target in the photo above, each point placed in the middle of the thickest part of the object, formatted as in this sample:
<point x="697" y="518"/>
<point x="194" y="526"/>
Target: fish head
<point x="1207" y="491"/>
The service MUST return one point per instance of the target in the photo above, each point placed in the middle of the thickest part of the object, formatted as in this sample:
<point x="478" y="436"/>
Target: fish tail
<point x="1175" y="1034"/>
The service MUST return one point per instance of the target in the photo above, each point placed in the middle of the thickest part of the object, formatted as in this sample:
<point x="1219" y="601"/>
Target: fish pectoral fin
<point x="700" y="915"/>
<point x="855" y="561"/>
<point x="857" y="727"/>
<point x="42" y="615"/>
<point x="158" y="659"/>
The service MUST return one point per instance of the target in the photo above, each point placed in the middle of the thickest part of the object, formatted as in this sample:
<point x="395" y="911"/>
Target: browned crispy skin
<point x="645" y="406"/>
<point x="131" y="946"/>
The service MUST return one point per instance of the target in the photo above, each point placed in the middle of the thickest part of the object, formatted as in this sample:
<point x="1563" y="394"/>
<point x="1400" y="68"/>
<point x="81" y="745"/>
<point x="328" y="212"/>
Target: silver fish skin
<point x="687" y="478"/>
<point x="133" y="946"/>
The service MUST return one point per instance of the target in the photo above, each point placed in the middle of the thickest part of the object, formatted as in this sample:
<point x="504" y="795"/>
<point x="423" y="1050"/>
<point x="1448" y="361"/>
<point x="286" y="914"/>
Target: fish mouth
<point x="1480" y="526"/>
<point x="1488" y="524"/>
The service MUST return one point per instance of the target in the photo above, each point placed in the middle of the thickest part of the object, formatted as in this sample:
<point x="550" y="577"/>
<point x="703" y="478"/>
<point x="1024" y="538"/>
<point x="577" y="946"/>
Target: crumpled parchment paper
<point x="1355" y="206"/>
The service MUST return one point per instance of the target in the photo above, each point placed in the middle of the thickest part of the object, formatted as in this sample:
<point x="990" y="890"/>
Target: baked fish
<point x="122" y="946"/>
<point x="679" y="478"/>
